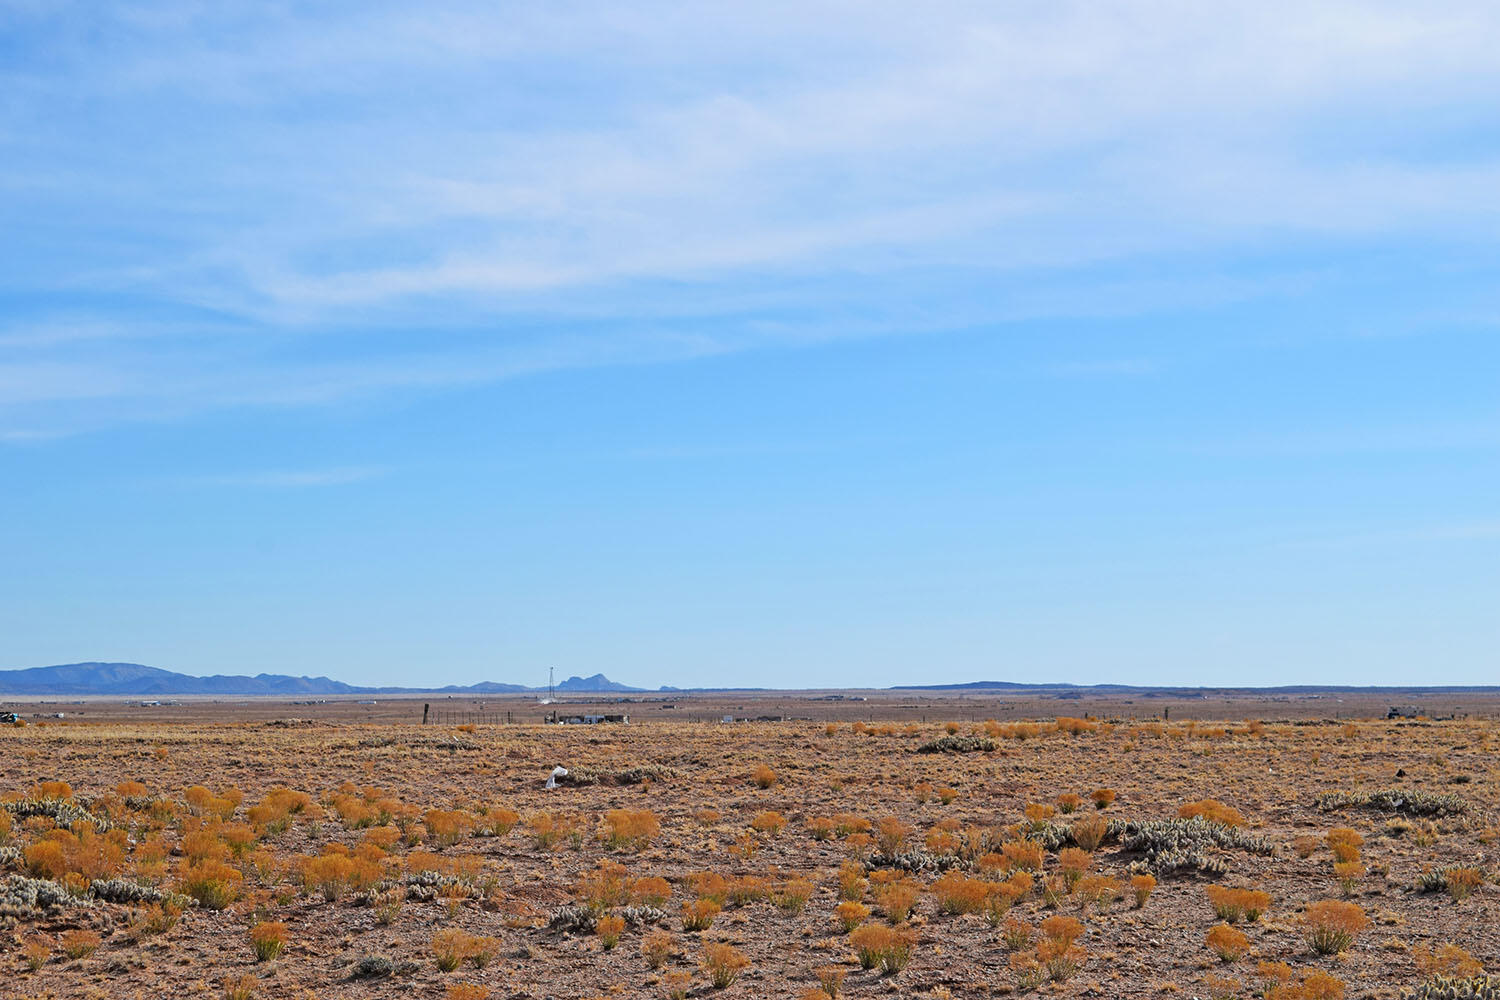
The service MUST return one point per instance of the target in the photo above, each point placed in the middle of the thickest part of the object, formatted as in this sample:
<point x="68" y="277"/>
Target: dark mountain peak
<point x="96" y="678"/>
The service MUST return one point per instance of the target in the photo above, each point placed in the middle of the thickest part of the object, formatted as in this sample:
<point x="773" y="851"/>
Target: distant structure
<point x="586" y="720"/>
<point x="550" y="692"/>
<point x="1404" y="712"/>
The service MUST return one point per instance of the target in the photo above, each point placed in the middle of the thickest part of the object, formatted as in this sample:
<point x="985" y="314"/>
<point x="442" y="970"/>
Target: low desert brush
<point x="1089" y="831"/>
<point x="268" y="938"/>
<point x="763" y="777"/>
<point x="792" y="895"/>
<point x="1226" y="942"/>
<point x="831" y="977"/>
<point x="852" y="880"/>
<point x="650" y="891"/>
<point x="1073" y="863"/>
<point x="631" y="829"/>
<point x="213" y="884"/>
<point x="891" y="834"/>
<point x="609" y="928"/>
<point x="768" y="823"/>
<point x="1344" y="843"/>
<point x="1446" y="960"/>
<point x="699" y="914"/>
<point x="889" y="948"/>
<point x="449" y="948"/>
<point x="850" y="914"/>
<point x="1025" y="855"/>
<point x="607" y="885"/>
<point x="676" y="984"/>
<point x="35" y="952"/>
<point x="896" y="900"/>
<point x="79" y="943"/>
<point x="1141" y="887"/>
<point x="240" y="987"/>
<point x="1232" y="904"/>
<point x="1330" y="926"/>
<point x="467" y="991"/>
<point x="1212" y="810"/>
<point x="723" y="963"/>
<point x="656" y="948"/>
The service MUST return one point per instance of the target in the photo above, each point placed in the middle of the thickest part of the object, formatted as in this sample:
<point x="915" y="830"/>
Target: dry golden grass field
<point x="876" y="849"/>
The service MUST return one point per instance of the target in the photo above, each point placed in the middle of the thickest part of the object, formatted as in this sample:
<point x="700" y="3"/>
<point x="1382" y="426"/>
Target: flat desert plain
<point x="906" y="845"/>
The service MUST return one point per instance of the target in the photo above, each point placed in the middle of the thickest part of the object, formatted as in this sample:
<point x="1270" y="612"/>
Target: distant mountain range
<point x="138" y="679"/>
<point x="135" y="679"/>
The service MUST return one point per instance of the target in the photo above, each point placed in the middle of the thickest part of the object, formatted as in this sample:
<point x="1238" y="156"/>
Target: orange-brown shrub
<point x="763" y="777"/>
<point x="79" y="943"/>
<point x="1330" y="926"/>
<point x="958" y="894"/>
<point x="1344" y="843"/>
<point x="896" y="900"/>
<point x="212" y="883"/>
<point x="656" y="948"/>
<point x="1226" y="942"/>
<point x="268" y="938"/>
<point x="699" y="914"/>
<point x="888" y="947"/>
<point x="1212" y="810"/>
<point x="850" y="914"/>
<point x="723" y="963"/>
<point x="768" y="823"/>
<point x="607" y="885"/>
<point x="650" y="891"/>
<point x="630" y="828"/>
<point x="1141" y="886"/>
<point x="1025" y="855"/>
<point x="1089" y="831"/>
<point x="609" y="928"/>
<point x="891" y="834"/>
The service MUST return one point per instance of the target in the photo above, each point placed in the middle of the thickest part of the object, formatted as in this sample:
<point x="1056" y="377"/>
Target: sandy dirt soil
<point x="687" y="792"/>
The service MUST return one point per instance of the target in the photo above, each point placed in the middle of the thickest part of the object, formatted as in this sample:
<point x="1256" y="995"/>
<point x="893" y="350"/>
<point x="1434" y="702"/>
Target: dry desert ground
<point x="927" y="848"/>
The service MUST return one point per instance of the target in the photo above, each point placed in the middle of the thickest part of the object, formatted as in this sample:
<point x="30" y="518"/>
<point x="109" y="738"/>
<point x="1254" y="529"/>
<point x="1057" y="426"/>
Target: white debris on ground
<point x="557" y="772"/>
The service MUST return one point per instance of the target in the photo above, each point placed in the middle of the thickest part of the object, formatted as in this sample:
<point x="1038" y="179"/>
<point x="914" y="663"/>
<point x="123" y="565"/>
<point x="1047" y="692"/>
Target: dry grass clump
<point x="268" y="938"/>
<point x="1232" y="905"/>
<point x="1226" y="942"/>
<point x="609" y="928"/>
<point x="1330" y="926"/>
<point x="889" y="948"/>
<point x="630" y="828"/>
<point x="1279" y="982"/>
<point x="763" y="777"/>
<point x="723" y="963"/>
<point x="1141" y="887"/>
<point x="1447" y="959"/>
<point x="656" y="948"/>
<point x="699" y="914"/>
<point x="467" y="991"/>
<point x="79" y="943"/>
<point x="1088" y="832"/>
<point x="35" y="951"/>
<point x="1212" y="810"/>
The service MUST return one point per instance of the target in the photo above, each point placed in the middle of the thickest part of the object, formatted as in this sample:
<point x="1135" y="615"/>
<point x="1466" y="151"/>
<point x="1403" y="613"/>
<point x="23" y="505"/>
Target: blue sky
<point x="765" y="344"/>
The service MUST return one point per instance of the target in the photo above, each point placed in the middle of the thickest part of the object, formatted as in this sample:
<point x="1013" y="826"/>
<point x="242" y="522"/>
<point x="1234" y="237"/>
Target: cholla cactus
<point x="1409" y="802"/>
<point x="1186" y="845"/>
<point x="957" y="744"/>
<point x="29" y="898"/>
<point x="1445" y="988"/>
<point x="61" y="811"/>
<point x="123" y="890"/>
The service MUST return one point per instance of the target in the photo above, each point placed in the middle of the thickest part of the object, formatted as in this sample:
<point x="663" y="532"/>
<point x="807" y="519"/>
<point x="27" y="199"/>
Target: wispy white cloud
<point x="358" y="183"/>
